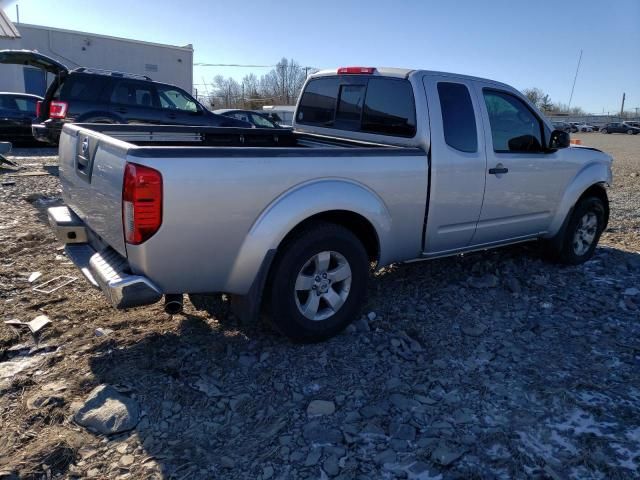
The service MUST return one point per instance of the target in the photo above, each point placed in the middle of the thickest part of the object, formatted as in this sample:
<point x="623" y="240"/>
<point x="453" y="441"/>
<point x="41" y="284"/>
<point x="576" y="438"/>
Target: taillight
<point x="58" y="109"/>
<point x="141" y="203"/>
<point x="356" y="70"/>
<point x="38" y="107"/>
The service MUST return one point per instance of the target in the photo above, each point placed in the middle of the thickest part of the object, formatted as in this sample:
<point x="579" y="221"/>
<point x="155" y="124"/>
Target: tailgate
<point x="91" y="173"/>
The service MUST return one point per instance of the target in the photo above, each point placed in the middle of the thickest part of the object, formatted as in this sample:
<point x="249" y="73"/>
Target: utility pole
<point x="622" y="107"/>
<point x="17" y="13"/>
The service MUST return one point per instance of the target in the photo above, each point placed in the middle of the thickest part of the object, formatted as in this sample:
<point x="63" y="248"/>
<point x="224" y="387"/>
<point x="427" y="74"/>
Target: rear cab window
<point x="368" y="104"/>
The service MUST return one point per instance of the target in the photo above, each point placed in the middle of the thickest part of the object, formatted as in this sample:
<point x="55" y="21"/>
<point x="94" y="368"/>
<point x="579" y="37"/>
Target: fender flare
<point x="595" y="173"/>
<point x="297" y="205"/>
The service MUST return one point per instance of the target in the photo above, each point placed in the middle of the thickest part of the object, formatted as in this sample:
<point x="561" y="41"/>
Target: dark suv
<point x="86" y="95"/>
<point x="620" y="127"/>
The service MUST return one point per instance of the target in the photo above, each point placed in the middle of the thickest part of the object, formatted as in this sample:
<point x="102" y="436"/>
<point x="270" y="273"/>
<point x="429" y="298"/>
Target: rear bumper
<point x="104" y="268"/>
<point x="47" y="132"/>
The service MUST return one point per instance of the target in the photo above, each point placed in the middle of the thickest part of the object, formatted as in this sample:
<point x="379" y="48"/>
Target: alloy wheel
<point x="322" y="285"/>
<point x="585" y="233"/>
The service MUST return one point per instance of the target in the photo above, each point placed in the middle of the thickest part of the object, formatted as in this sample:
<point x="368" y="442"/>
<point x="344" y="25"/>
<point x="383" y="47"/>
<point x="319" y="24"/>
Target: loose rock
<point x="107" y="411"/>
<point x="320" y="407"/>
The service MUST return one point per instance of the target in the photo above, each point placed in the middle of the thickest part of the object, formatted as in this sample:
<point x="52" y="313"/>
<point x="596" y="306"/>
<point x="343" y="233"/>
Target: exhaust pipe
<point x="173" y="303"/>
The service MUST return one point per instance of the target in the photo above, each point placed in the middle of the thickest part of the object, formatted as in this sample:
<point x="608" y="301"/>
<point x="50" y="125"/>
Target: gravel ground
<point x="490" y="365"/>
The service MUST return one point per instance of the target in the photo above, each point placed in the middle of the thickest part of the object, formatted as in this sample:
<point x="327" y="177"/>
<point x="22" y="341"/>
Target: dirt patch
<point x="495" y="364"/>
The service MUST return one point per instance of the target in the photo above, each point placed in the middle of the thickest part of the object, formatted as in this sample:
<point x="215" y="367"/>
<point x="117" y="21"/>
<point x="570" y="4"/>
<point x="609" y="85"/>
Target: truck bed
<point x="221" y="186"/>
<point x="192" y="136"/>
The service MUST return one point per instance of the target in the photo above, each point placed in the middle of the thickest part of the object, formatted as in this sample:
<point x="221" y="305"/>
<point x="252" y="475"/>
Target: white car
<point x="583" y="127"/>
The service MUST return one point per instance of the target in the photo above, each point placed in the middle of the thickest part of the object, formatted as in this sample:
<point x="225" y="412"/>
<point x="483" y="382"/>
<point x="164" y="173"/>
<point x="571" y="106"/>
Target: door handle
<point x="497" y="170"/>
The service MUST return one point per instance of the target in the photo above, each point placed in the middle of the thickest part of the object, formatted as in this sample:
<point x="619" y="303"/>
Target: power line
<point x="231" y="65"/>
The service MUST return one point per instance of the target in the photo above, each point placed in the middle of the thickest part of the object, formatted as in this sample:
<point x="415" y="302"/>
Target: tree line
<point x="281" y="86"/>
<point x="543" y="102"/>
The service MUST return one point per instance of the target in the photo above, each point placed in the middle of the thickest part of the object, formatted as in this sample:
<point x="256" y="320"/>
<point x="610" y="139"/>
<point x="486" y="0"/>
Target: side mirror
<point x="559" y="139"/>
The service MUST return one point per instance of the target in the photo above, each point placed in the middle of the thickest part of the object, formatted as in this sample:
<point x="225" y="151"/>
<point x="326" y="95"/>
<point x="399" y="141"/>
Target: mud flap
<point x="247" y="307"/>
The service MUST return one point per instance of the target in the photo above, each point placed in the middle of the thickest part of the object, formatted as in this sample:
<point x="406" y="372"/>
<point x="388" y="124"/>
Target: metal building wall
<point x="164" y="63"/>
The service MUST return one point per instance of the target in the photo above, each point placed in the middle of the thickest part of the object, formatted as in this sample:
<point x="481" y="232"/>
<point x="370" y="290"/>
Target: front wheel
<point x="318" y="282"/>
<point x="583" y="231"/>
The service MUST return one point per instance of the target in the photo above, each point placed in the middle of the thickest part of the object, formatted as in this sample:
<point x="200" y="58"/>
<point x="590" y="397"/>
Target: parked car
<point x="564" y="126"/>
<point x="583" y="127"/>
<point x="620" y="127"/>
<point x="291" y="222"/>
<point x="280" y="114"/>
<point x="632" y="124"/>
<point x="256" y="119"/>
<point x="574" y="126"/>
<point x="87" y="95"/>
<point x="17" y="111"/>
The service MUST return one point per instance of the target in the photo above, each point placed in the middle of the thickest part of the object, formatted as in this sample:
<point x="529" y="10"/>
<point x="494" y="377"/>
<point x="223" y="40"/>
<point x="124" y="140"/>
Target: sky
<point x="525" y="43"/>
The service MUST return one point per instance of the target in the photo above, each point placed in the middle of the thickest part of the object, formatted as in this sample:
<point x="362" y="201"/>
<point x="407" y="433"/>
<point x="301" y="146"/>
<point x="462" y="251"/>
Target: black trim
<point x="273" y="152"/>
<point x="247" y="307"/>
<point x="427" y="203"/>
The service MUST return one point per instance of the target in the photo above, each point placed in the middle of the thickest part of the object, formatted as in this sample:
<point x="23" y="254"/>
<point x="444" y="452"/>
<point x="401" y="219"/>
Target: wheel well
<point x="597" y="190"/>
<point x="359" y="226"/>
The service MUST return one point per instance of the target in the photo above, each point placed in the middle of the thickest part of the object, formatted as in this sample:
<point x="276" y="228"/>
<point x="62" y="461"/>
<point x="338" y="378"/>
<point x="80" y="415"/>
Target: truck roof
<point x="407" y="72"/>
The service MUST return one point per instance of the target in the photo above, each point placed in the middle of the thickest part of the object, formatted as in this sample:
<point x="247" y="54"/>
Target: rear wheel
<point x="630" y="132"/>
<point x="583" y="232"/>
<point x="318" y="283"/>
<point x="604" y="130"/>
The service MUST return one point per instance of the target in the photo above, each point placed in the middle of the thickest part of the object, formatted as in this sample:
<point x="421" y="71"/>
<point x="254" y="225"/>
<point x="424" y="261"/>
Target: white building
<point x="163" y="63"/>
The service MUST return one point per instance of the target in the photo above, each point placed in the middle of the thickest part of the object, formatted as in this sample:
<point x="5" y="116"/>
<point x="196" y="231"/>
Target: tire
<point x="604" y="130"/>
<point x="630" y="132"/>
<point x="582" y="233"/>
<point x="301" y="293"/>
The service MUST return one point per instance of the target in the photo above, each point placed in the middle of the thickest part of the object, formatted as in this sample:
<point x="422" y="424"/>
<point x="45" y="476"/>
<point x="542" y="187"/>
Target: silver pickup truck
<point x="383" y="165"/>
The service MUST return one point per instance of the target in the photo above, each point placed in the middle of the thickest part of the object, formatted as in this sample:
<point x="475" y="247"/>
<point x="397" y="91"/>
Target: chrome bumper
<point x="105" y="269"/>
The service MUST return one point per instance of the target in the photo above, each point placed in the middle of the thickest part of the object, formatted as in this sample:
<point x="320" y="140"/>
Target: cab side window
<point x="174" y="99"/>
<point x="514" y="128"/>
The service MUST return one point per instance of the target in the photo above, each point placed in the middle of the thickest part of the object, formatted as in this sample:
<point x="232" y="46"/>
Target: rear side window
<point x="82" y="87"/>
<point x="379" y="105"/>
<point x="8" y="103"/>
<point x="318" y="103"/>
<point x="26" y="105"/>
<point x="389" y="108"/>
<point x="458" y="118"/>
<point x="133" y="93"/>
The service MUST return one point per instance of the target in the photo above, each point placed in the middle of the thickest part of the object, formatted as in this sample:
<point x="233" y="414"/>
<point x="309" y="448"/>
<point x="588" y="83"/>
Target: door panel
<point x="458" y="163"/>
<point x="523" y="183"/>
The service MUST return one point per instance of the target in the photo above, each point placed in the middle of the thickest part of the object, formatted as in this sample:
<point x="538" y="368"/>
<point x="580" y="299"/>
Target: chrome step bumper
<point x="105" y="269"/>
